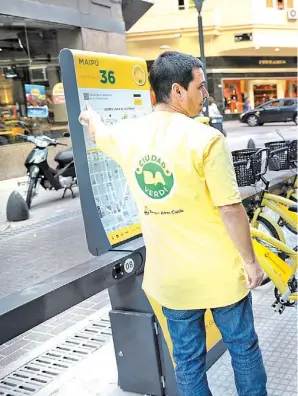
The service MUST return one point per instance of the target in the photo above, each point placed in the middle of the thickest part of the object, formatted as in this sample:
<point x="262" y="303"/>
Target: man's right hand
<point x="255" y="274"/>
<point x="85" y="114"/>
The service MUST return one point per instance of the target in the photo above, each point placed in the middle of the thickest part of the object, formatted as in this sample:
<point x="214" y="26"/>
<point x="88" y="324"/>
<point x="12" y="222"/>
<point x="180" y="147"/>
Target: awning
<point x="133" y="10"/>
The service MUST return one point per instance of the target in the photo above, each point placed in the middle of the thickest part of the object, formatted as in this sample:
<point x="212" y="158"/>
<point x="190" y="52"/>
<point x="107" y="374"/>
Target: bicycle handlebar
<point x="242" y="162"/>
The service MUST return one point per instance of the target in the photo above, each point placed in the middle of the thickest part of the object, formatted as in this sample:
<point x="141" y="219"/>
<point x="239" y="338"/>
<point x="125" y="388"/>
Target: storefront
<point x="30" y="79"/>
<point x="238" y="84"/>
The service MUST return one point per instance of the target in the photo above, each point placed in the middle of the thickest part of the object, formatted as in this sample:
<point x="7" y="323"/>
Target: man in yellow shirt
<point x="196" y="232"/>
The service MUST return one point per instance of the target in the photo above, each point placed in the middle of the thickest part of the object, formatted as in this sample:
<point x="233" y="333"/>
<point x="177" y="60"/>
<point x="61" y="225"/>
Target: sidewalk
<point x="96" y="375"/>
<point x="45" y="205"/>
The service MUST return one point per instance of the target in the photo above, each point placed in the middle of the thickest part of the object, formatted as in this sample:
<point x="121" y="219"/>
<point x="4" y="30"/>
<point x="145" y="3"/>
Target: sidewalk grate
<point x="36" y="374"/>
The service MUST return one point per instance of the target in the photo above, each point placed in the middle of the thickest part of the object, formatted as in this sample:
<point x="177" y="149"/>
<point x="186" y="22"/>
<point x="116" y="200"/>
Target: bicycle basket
<point x="280" y="160"/>
<point x="292" y="158"/>
<point x="247" y="176"/>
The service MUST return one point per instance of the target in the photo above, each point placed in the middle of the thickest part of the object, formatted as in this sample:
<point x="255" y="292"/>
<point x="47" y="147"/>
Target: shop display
<point x="242" y="95"/>
<point x="36" y="101"/>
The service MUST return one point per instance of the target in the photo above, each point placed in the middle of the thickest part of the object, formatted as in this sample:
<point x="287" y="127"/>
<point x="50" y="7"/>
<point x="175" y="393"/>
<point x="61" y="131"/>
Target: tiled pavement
<point x="29" y="256"/>
<point x="34" y="338"/>
<point x="97" y="374"/>
<point x="278" y="341"/>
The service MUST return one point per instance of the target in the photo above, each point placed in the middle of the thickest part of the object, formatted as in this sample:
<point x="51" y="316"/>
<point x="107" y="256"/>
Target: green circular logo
<point x="154" y="177"/>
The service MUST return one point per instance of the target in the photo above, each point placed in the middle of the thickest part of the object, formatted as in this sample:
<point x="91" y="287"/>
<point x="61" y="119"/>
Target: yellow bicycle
<point x="248" y="167"/>
<point x="283" y="156"/>
<point x="280" y="272"/>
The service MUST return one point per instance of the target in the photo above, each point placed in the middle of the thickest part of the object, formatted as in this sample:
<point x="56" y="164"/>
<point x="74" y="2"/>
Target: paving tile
<point x="33" y="345"/>
<point x="101" y="304"/>
<point x="68" y="315"/>
<point x="83" y="311"/>
<point x="44" y="328"/>
<point x="13" y="357"/>
<point x="63" y="326"/>
<point x="14" y="347"/>
<point x="99" y="297"/>
<point x="86" y="304"/>
<point x="36" y="336"/>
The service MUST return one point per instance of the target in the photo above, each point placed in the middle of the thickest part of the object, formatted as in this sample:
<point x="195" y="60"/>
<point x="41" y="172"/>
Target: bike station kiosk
<point x="117" y="87"/>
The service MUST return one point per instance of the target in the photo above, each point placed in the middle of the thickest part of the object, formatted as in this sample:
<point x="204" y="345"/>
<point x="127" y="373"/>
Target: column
<point x="99" y="41"/>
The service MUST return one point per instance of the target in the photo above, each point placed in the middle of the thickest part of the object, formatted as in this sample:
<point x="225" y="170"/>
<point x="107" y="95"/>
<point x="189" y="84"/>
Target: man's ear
<point x="178" y="91"/>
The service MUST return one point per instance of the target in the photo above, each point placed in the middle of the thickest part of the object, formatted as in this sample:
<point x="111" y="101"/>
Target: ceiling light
<point x="0" y="49"/>
<point x="276" y="49"/>
<point x="257" y="47"/>
<point x="177" y="35"/>
<point x="164" y="47"/>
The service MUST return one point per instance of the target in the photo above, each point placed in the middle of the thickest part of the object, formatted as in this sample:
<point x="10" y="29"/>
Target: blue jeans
<point x="236" y="324"/>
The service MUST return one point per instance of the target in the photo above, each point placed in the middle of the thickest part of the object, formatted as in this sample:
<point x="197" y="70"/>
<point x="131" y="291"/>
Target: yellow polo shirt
<point x="179" y="172"/>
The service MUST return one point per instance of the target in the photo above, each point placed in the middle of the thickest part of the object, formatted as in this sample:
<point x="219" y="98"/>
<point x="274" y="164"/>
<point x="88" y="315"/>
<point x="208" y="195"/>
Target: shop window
<point x="281" y="4"/>
<point x="269" y="3"/>
<point x="263" y="93"/>
<point x="290" y="4"/>
<point x="30" y="81"/>
<point x="291" y="88"/>
<point x="235" y="93"/>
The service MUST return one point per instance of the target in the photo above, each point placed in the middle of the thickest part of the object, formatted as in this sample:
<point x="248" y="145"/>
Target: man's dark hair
<point x="169" y="68"/>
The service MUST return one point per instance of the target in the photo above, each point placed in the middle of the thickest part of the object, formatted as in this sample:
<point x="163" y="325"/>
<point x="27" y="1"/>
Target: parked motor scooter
<point x="40" y="173"/>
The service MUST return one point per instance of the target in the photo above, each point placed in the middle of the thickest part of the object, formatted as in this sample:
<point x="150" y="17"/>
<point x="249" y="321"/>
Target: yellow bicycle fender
<point x="277" y="270"/>
<point x="275" y="225"/>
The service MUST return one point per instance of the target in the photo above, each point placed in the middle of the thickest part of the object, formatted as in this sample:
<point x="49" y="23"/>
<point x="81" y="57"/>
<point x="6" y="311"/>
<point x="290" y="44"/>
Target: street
<point x="238" y="134"/>
<point x="53" y="239"/>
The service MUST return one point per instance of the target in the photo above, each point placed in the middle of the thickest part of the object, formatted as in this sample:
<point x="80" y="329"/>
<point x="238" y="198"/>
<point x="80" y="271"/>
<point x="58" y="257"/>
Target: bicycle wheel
<point x="288" y="226"/>
<point x="266" y="227"/>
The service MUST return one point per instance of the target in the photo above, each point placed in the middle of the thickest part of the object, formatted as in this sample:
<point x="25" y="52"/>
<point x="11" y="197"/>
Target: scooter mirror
<point x="66" y="134"/>
<point x="21" y="124"/>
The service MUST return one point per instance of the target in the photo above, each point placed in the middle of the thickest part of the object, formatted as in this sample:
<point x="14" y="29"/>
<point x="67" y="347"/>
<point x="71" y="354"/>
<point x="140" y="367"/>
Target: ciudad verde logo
<point x="154" y="177"/>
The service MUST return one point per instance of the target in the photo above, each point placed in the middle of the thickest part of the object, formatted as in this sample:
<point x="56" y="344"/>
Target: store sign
<point x="272" y="62"/>
<point x="236" y="62"/>
<point x="58" y="94"/>
<point x="36" y="101"/>
<point x="243" y="37"/>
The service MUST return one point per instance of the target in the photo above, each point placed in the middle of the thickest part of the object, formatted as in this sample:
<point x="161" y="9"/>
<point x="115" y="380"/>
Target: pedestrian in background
<point x="247" y="105"/>
<point x="199" y="252"/>
<point x="212" y="108"/>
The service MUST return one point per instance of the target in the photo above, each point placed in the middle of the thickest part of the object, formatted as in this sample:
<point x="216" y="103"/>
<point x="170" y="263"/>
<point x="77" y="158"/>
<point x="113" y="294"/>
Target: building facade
<point x="250" y="45"/>
<point x="32" y="33"/>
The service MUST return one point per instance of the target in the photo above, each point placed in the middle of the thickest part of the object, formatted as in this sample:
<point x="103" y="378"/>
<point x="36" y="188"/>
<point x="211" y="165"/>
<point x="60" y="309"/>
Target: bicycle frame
<point x="278" y="205"/>
<point x="255" y="224"/>
<point x="276" y="269"/>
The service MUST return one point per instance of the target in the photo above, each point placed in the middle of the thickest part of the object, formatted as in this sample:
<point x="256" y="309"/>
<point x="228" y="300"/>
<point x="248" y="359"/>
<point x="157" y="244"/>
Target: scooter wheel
<point x="30" y="192"/>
